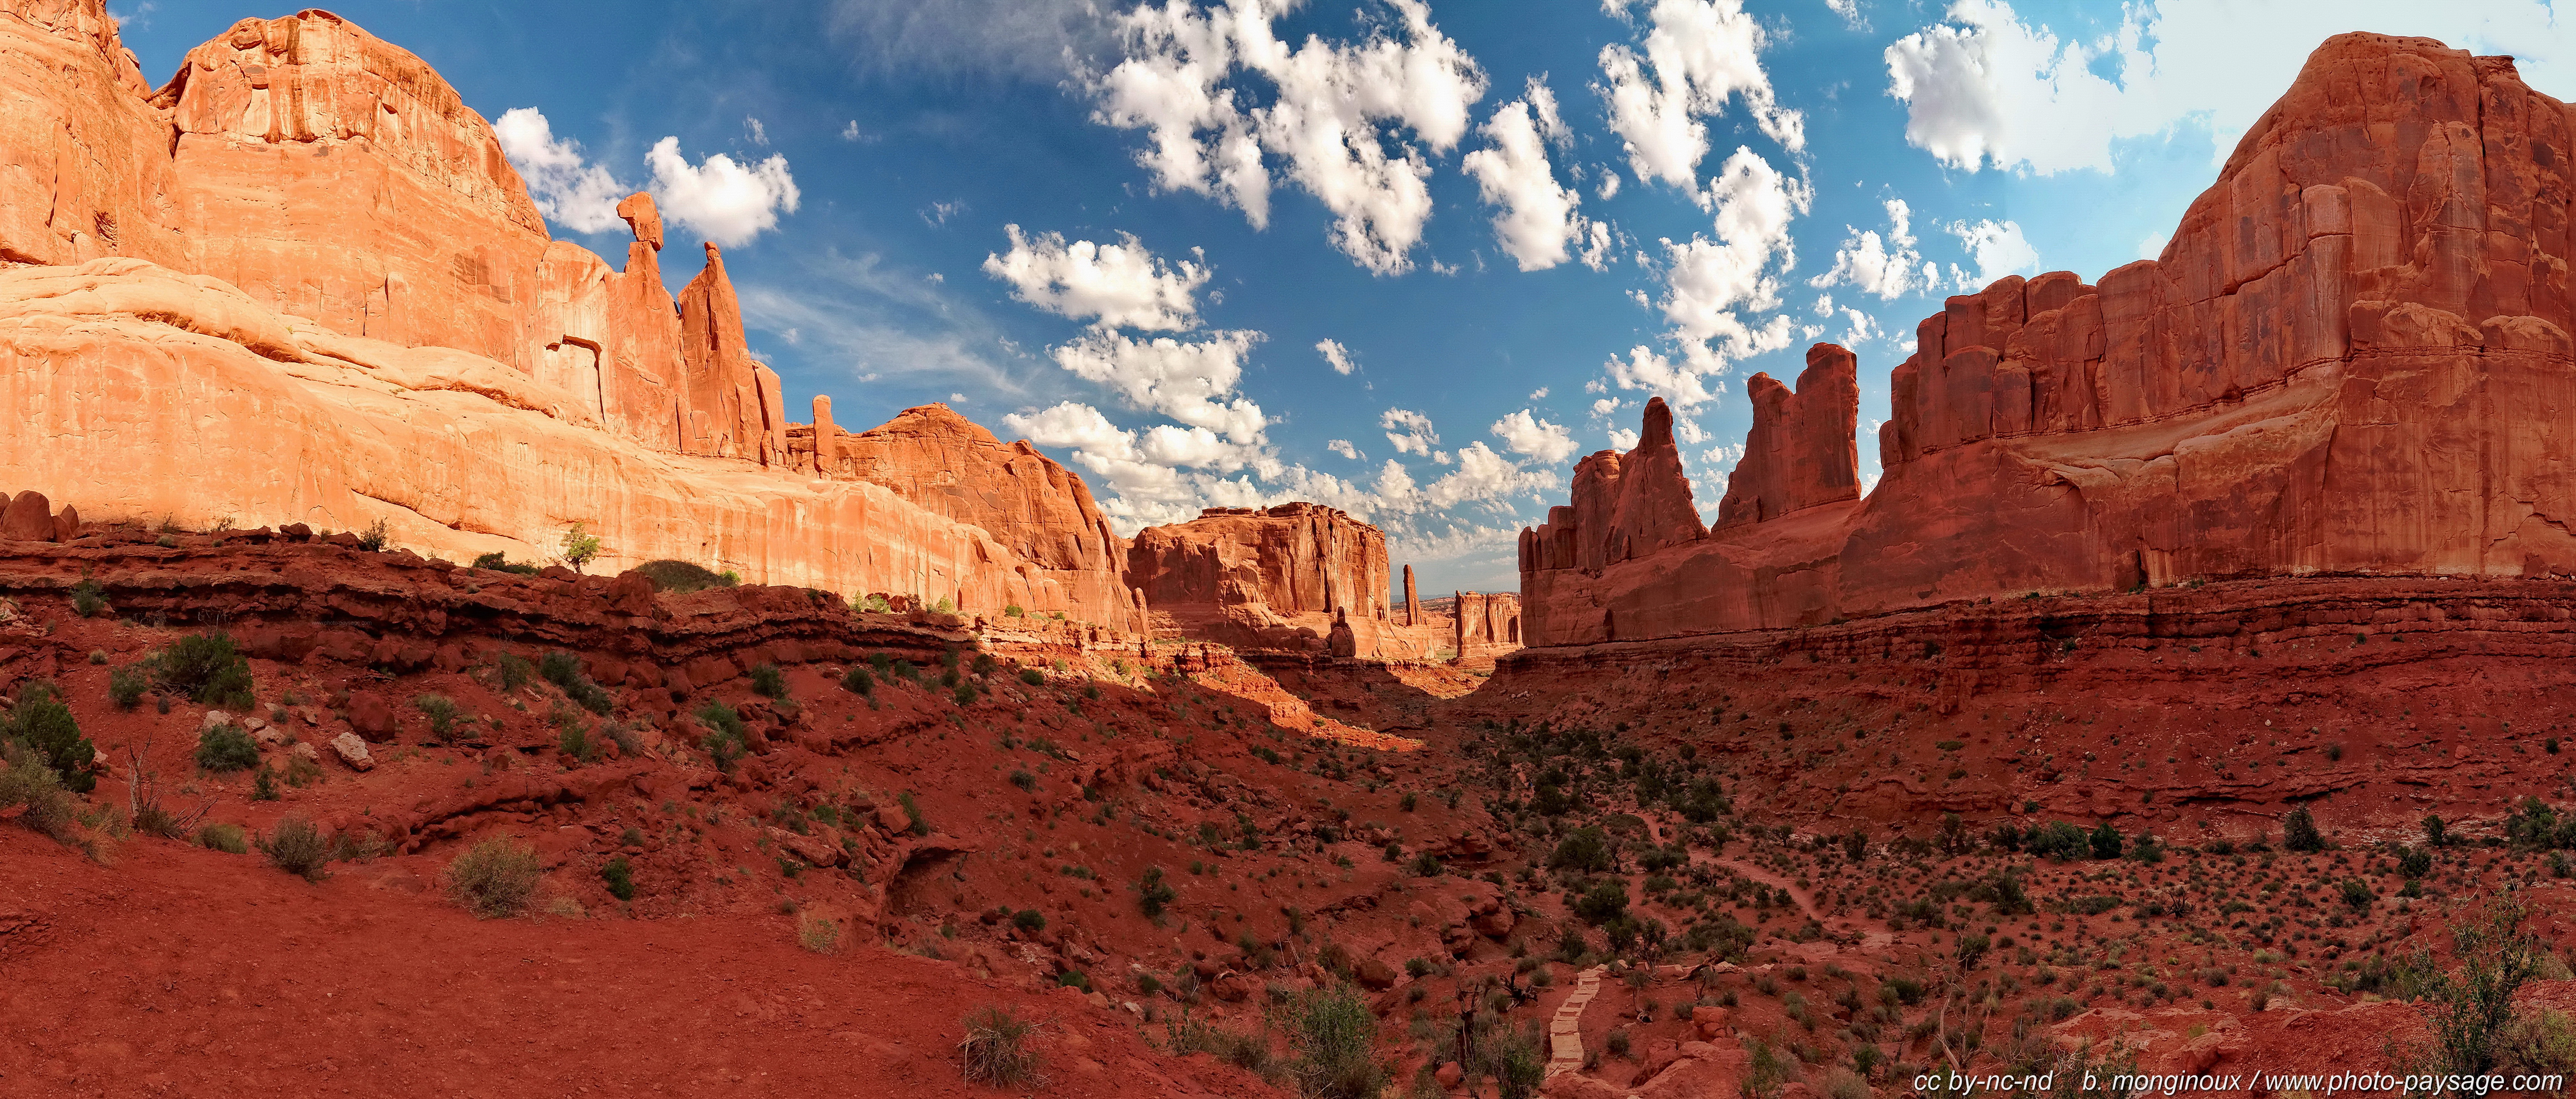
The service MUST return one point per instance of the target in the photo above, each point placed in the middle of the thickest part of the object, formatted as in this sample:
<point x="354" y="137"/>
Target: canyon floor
<point x="784" y="848"/>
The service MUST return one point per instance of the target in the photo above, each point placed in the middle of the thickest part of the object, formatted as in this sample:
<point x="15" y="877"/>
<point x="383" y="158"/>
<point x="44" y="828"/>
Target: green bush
<point x="681" y="577"/>
<point x="441" y="711"/>
<point x="2106" y="841"/>
<point x="376" y="537"/>
<point x="46" y="727"/>
<point x="29" y="782"/>
<point x="227" y="838"/>
<point x="515" y="671"/>
<point x="1000" y="1050"/>
<point x="1153" y="894"/>
<point x="1030" y="920"/>
<point x="965" y="693"/>
<point x="224" y="747"/>
<point x="1333" y="1036"/>
<point x="857" y="680"/>
<point x="2299" y="831"/>
<point x="766" y="679"/>
<point x="1014" y="611"/>
<point x="620" y="876"/>
<point x="297" y="847"/>
<point x="1033" y="677"/>
<point x="563" y="669"/>
<point x="494" y="879"/>
<point x="87" y="601"/>
<point x="207" y="668"/>
<point x="125" y="687"/>
<point x="1024" y="780"/>
<point x="1586" y="850"/>
<point x="1604" y="902"/>
<point x="497" y="562"/>
<point x="724" y="739"/>
<point x="2056" y="839"/>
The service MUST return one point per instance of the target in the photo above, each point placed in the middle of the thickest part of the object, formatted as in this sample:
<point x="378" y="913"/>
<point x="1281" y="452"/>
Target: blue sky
<point x="1221" y="204"/>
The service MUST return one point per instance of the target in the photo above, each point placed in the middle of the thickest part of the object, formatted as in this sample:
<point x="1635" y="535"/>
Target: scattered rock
<point x="353" y="751"/>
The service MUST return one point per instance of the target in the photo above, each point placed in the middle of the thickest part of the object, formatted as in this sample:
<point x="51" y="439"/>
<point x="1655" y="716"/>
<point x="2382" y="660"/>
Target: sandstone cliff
<point x="2348" y="359"/>
<point x="303" y="284"/>
<point x="1273" y="578"/>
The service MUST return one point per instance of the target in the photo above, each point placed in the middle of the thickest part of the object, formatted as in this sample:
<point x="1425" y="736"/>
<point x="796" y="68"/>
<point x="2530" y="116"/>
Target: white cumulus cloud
<point x="1696" y="55"/>
<point x="1344" y="448"/>
<point x="1536" y="219"/>
<point x="724" y="201"/>
<point x="1409" y="432"/>
<point x="1996" y="247"/>
<point x="719" y="198"/>
<point x="1336" y="356"/>
<point x="1118" y="285"/>
<point x="1335" y="116"/>
<point x="1190" y="381"/>
<point x="568" y="189"/>
<point x="1887" y="266"/>
<point x="1524" y="433"/>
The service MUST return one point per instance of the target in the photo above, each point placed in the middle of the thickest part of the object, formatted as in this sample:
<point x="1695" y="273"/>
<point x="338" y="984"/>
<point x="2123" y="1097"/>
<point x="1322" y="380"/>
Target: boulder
<point x="27" y="518"/>
<point x="1376" y="975"/>
<point x="372" y="717"/>
<point x="353" y="751"/>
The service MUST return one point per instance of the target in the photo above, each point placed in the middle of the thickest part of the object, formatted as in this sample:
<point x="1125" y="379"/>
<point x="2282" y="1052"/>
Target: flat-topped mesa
<point x="1271" y="578"/>
<point x="2345" y="361"/>
<point x="1801" y="451"/>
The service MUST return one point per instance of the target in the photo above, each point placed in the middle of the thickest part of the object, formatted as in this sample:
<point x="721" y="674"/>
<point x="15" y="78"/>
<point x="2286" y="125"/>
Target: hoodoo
<point x="2347" y="360"/>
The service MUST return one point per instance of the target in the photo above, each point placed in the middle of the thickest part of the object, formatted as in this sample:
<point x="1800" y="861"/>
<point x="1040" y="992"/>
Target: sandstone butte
<point x="1277" y="578"/>
<point x="300" y="283"/>
<point x="2352" y="358"/>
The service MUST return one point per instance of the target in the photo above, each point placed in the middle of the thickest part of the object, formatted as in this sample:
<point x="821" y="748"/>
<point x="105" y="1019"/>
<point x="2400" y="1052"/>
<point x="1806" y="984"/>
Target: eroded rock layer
<point x="301" y="283"/>
<point x="1275" y="578"/>
<point x="2353" y="357"/>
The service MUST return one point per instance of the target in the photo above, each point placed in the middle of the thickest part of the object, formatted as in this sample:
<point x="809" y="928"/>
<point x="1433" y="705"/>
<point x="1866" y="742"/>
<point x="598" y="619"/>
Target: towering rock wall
<point x="1272" y="578"/>
<point x="1040" y="510"/>
<point x="318" y="199"/>
<point x="1800" y="452"/>
<point x="2352" y="357"/>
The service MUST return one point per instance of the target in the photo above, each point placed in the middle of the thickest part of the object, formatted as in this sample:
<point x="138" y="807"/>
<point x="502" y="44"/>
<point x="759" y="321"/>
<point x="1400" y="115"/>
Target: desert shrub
<point x="2056" y="839"/>
<point x="817" y="933"/>
<point x="224" y="747"/>
<point x="227" y="838"/>
<point x="965" y="693"/>
<point x="563" y="669"/>
<point x="514" y="670"/>
<point x="1024" y="780"/>
<point x="1333" y="1036"/>
<point x="28" y="781"/>
<point x="1153" y="894"/>
<point x="2299" y="831"/>
<point x="1014" y="611"/>
<point x="1000" y="1049"/>
<point x="572" y="736"/>
<point x="1033" y="677"/>
<point x="857" y="679"/>
<point x="298" y="847"/>
<point x="1030" y="920"/>
<point x="1604" y="902"/>
<point x="376" y="536"/>
<point x="125" y="687"/>
<point x="724" y="739"/>
<point x="87" y="601"/>
<point x="681" y="577"/>
<point x="497" y="562"/>
<point x="207" y="668"/>
<point x="494" y="879"/>
<point x="767" y="680"/>
<point x="47" y="729"/>
<point x="2106" y="841"/>
<point x="2414" y="862"/>
<point x="620" y="876"/>
<point x="1586" y="850"/>
<point x="441" y="711"/>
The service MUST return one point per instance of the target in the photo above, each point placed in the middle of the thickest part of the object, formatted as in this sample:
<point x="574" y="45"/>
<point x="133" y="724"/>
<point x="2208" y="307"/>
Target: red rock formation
<point x="1041" y="511"/>
<point x="1625" y="506"/>
<point x="1412" y="604"/>
<point x="394" y="336"/>
<point x="2342" y="362"/>
<point x="1801" y="452"/>
<point x="1272" y="578"/>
